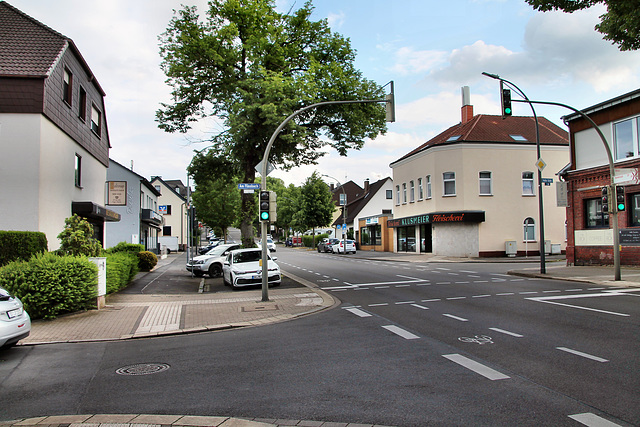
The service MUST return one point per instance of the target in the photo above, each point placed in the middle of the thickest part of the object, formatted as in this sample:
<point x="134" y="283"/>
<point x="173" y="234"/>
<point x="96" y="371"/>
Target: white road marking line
<point x="502" y="331"/>
<point x="420" y="306"/>
<point x="592" y="420"/>
<point x="552" y="300"/>
<point x="381" y="304"/>
<point x="382" y="287"/>
<point x="453" y="298"/>
<point x="551" y="292"/>
<point x="431" y="300"/>
<point x="358" y="312"/>
<point x="402" y="286"/>
<point x="476" y="367"/>
<point x="401" y="332"/>
<point x="527" y="293"/>
<point x="404" y="302"/>
<point x="505" y="293"/>
<point x="502" y="275"/>
<point x="462" y="319"/>
<point x="480" y="296"/>
<point x="480" y="281"/>
<point x="579" y="353"/>
<point x="461" y="283"/>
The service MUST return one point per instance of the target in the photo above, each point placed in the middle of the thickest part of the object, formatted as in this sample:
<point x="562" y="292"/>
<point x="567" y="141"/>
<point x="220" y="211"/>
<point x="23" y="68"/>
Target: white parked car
<point x="15" y="323"/>
<point x="242" y="268"/>
<point x="211" y="262"/>
<point x="339" y="248"/>
<point x="270" y="244"/>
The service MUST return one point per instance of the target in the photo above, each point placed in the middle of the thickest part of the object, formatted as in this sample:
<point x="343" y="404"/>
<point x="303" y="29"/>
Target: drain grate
<point x="142" y="369"/>
<point x="260" y="307"/>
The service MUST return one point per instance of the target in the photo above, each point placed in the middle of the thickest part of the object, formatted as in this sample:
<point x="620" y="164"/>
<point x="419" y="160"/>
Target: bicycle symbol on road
<point x="478" y="339"/>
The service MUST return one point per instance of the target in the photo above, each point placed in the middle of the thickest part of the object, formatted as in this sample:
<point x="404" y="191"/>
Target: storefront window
<point x="371" y="235"/>
<point x="425" y="238"/>
<point x="595" y="218"/>
<point x="635" y="210"/>
<point x="406" y="239"/>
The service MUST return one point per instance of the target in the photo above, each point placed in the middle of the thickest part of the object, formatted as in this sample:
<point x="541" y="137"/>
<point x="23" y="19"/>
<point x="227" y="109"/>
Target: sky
<point x="429" y="48"/>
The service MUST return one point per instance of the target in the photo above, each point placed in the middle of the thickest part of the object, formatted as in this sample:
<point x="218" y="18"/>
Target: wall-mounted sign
<point x="437" y="217"/>
<point x="117" y="193"/>
<point x="162" y="209"/>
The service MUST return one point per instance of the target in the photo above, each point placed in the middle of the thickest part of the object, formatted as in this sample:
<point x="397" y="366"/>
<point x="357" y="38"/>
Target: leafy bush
<point x="125" y="247"/>
<point x="147" y="260"/>
<point x="50" y="285"/>
<point x="307" y="241"/>
<point x="21" y="245"/>
<point x="122" y="267"/>
<point x="77" y="238"/>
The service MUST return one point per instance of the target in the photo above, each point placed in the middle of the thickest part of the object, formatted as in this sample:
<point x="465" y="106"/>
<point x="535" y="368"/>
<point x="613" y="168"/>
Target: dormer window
<point x="518" y="138"/>
<point x="453" y="138"/>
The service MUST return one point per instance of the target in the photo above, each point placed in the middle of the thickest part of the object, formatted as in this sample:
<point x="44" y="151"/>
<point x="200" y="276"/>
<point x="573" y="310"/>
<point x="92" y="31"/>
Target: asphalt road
<point x="390" y="354"/>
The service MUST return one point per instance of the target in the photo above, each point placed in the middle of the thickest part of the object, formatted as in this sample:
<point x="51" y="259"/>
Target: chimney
<point x="467" y="108"/>
<point x="331" y="187"/>
<point x="366" y="186"/>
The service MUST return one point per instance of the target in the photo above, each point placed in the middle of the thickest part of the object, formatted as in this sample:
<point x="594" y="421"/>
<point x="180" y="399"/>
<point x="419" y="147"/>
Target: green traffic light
<point x="507" y="110"/>
<point x="620" y="207"/>
<point x="264" y="216"/>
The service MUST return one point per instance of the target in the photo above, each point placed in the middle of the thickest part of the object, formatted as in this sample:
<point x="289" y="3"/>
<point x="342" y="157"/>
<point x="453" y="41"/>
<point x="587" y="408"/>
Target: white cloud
<point x="336" y="20"/>
<point x="409" y="61"/>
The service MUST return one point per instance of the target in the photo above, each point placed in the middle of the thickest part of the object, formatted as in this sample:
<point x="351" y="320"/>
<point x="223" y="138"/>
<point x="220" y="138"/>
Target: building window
<point x="397" y="195"/>
<point x="404" y="193"/>
<point x="484" y="178"/>
<point x="449" y="181"/>
<point x="626" y="138"/>
<point x="78" y="171"/>
<point x="595" y="218"/>
<point x="96" y="120"/>
<point x="389" y="194"/>
<point x="157" y="187"/>
<point x="527" y="184"/>
<point x="428" y="182"/>
<point x="371" y="235"/>
<point x="412" y="191"/>
<point x="82" y="105"/>
<point x="635" y="210"/>
<point x="67" y="86"/>
<point x="529" y="230"/>
<point x="420" y="189"/>
<point x="166" y="230"/>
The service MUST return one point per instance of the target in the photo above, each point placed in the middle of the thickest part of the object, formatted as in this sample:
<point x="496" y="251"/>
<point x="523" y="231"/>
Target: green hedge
<point x="50" y="285"/>
<point x="126" y="247"/>
<point x="21" y="245"/>
<point x="307" y="241"/>
<point x="122" y="267"/>
<point x="147" y="260"/>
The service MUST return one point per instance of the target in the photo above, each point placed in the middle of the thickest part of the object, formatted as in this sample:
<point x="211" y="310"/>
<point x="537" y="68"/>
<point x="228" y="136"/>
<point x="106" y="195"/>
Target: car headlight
<point x="199" y="262"/>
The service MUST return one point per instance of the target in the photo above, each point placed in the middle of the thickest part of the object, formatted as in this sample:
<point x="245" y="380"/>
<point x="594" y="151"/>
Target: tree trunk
<point x="248" y="211"/>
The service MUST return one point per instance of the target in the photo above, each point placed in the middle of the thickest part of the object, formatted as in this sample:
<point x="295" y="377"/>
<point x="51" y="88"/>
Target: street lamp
<point x="344" y="212"/>
<point x="543" y="268"/>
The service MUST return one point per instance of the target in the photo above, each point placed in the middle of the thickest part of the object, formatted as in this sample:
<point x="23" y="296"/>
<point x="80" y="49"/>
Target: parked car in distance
<point x="270" y="244"/>
<point x="15" y="323"/>
<point x="242" y="268"/>
<point x="339" y="248"/>
<point x="326" y="245"/>
<point x="211" y="262"/>
<point x="203" y="250"/>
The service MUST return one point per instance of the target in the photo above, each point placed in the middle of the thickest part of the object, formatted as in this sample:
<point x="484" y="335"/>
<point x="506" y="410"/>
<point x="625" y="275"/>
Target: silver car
<point x="211" y="262"/>
<point x="15" y="323"/>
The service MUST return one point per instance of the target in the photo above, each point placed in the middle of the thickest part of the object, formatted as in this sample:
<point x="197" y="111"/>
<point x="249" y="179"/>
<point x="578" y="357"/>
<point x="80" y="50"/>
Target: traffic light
<point x="605" y="199"/>
<point x="506" y="103"/>
<point x="620" y="202"/>
<point x="273" y="216"/>
<point x="264" y="206"/>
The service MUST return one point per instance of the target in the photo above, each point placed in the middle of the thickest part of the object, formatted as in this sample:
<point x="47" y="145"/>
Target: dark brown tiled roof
<point x="354" y="207"/>
<point x="27" y="46"/>
<point x="495" y="129"/>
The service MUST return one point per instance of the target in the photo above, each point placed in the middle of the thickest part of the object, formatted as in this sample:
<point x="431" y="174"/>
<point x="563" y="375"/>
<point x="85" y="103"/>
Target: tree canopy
<point x="251" y="66"/>
<point x="620" y="24"/>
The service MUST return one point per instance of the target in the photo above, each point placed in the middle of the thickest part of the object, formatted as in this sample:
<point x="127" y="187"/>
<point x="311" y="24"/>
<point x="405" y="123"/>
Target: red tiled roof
<point x="495" y="129"/>
<point x="27" y="46"/>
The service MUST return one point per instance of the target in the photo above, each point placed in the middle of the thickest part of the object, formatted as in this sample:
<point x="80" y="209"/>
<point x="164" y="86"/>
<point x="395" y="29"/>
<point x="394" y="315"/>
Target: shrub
<point x="50" y="285"/>
<point x="147" y="260"/>
<point x="122" y="267"/>
<point x="126" y="247"/>
<point x="77" y="238"/>
<point x="21" y="245"/>
<point x="307" y="241"/>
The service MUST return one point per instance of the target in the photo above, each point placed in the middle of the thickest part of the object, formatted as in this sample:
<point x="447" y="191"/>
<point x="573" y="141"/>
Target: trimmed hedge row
<point x="21" y="245"/>
<point x="49" y="285"/>
<point x="122" y="267"/>
<point x="307" y="241"/>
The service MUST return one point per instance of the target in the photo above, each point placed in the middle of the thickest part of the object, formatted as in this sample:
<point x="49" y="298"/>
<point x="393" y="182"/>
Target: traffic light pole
<point x="263" y="172"/>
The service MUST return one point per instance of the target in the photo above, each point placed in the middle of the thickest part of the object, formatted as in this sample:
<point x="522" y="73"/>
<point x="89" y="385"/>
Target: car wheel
<point x="215" y="270"/>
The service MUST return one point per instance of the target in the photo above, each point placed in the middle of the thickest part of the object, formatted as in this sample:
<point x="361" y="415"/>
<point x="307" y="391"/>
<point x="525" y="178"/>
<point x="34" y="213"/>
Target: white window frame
<point x="398" y="195"/>
<point x="485" y="180"/>
<point x="420" y="189"/>
<point x="635" y="138"/>
<point x="428" y="184"/>
<point x="412" y="191"/>
<point x="528" y="224"/>
<point x="448" y="180"/>
<point x="527" y="179"/>
<point x="96" y="120"/>
<point x="404" y="193"/>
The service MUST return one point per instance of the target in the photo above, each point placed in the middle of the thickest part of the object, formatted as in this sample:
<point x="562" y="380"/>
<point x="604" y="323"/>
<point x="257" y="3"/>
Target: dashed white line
<point x="381" y="304"/>
<point x="585" y="355"/>
<point x="462" y="319"/>
<point x="454" y="298"/>
<point x="431" y="300"/>
<point x="404" y="302"/>
<point x="476" y="367"/>
<point x="420" y="306"/>
<point x="401" y="332"/>
<point x="502" y="331"/>
<point x="480" y="296"/>
<point x="592" y="420"/>
<point x="358" y="312"/>
<point x="505" y="293"/>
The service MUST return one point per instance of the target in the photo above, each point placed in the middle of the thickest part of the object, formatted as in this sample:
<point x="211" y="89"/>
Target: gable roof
<point x="354" y="208"/>
<point x="170" y="187"/>
<point x="29" y="48"/>
<point x="494" y="129"/>
<point x="351" y="189"/>
<point x="143" y="180"/>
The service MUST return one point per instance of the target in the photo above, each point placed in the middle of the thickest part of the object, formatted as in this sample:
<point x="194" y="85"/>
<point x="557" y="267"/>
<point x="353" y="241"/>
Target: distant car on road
<point x="242" y="268"/>
<point x="326" y="245"/>
<point x="339" y="247"/>
<point x="211" y="262"/>
<point x="15" y="323"/>
<point x="270" y="244"/>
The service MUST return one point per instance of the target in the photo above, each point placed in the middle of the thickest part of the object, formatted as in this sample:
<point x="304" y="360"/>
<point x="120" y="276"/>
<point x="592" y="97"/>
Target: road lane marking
<point x="586" y="355"/>
<point x="454" y="298"/>
<point x="401" y="332"/>
<point x="476" y="367"/>
<point x="404" y="302"/>
<point x="462" y="319"/>
<point x="420" y="306"/>
<point x="505" y="293"/>
<point x="431" y="300"/>
<point x="502" y="331"/>
<point x="381" y="304"/>
<point x="592" y="420"/>
<point x="554" y="299"/>
<point x="480" y="296"/>
<point x="358" y="312"/>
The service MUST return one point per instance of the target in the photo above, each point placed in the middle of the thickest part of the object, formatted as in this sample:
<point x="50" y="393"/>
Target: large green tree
<point x="251" y="66"/>
<point x="620" y="24"/>
<point x="316" y="207"/>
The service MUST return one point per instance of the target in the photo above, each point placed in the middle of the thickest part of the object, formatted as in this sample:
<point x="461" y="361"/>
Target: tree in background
<point x="620" y="25"/>
<point x="316" y="207"/>
<point x="251" y="66"/>
<point x="77" y="238"/>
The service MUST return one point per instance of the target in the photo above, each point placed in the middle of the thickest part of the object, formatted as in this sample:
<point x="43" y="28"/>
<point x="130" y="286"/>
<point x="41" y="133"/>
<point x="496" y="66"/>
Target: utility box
<point x="511" y="248"/>
<point x="547" y="247"/>
<point x="101" y="263"/>
<point x="556" y="249"/>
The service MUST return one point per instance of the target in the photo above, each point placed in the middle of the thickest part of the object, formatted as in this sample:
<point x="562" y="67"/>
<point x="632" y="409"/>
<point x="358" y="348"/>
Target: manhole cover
<point x="263" y="307"/>
<point x="142" y="369"/>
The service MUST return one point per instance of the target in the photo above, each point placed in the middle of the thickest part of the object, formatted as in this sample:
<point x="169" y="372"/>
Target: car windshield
<point x="218" y="250"/>
<point x="249" y="256"/>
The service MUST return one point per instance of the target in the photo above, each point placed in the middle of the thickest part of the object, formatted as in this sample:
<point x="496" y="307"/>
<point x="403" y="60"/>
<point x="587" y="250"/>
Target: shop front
<point x="440" y="233"/>
<point x="374" y="234"/>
